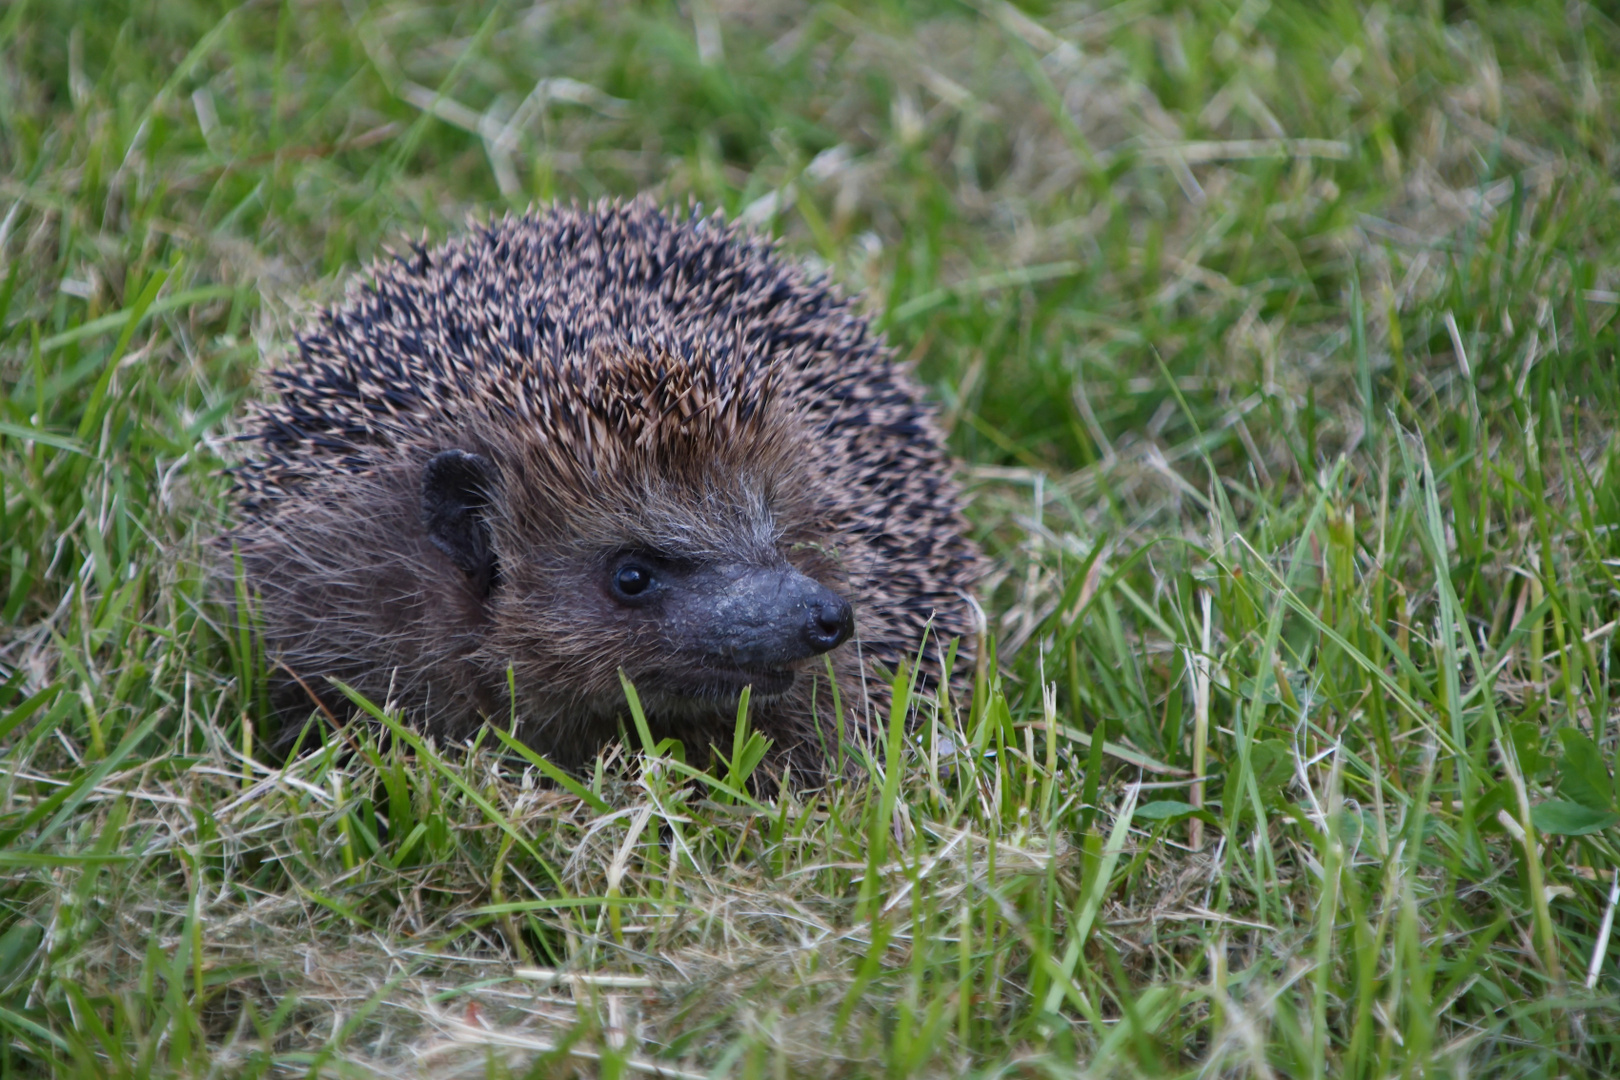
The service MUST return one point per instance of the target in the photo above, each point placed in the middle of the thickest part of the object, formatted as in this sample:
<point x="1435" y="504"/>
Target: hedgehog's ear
<point x="455" y="506"/>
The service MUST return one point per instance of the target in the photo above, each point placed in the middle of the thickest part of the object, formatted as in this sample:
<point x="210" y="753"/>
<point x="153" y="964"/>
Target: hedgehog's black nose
<point x="829" y="623"/>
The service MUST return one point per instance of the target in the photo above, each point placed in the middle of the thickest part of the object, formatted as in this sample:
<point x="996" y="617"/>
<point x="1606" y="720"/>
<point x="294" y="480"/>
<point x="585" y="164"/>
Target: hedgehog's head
<point x="660" y="524"/>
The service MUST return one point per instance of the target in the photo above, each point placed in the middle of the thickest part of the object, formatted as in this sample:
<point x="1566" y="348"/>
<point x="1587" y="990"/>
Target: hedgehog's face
<point x="692" y="612"/>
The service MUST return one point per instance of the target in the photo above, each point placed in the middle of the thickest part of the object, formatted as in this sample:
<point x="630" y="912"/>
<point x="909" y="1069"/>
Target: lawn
<point x="1278" y="343"/>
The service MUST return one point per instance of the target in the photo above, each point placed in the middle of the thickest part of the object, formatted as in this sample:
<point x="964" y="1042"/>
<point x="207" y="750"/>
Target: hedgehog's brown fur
<point x="637" y="382"/>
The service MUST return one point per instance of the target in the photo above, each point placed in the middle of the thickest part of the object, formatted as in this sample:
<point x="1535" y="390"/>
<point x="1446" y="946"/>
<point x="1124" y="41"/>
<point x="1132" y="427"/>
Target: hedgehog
<point x="593" y="444"/>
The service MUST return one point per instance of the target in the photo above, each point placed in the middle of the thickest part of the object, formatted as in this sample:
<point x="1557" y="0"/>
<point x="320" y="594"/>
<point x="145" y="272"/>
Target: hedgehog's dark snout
<point x="758" y="618"/>
<point x="733" y="621"/>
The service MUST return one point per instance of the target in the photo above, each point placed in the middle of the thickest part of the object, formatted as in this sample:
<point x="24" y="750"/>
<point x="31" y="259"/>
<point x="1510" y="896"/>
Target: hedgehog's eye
<point x="632" y="581"/>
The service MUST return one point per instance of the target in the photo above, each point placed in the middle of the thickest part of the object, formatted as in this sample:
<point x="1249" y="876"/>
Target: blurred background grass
<point x="1278" y="342"/>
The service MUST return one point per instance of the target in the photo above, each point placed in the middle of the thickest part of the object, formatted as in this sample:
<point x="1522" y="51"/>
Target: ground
<point x="1278" y="342"/>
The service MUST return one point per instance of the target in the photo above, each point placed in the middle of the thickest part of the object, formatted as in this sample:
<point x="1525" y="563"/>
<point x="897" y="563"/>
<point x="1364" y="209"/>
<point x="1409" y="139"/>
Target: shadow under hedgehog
<point x="596" y="439"/>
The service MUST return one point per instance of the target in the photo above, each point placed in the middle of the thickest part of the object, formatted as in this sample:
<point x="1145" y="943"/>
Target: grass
<point x="1278" y="340"/>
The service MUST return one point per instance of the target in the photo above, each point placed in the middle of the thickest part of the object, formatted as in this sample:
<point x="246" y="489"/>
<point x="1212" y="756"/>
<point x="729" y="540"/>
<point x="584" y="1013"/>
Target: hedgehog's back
<point x="471" y="323"/>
